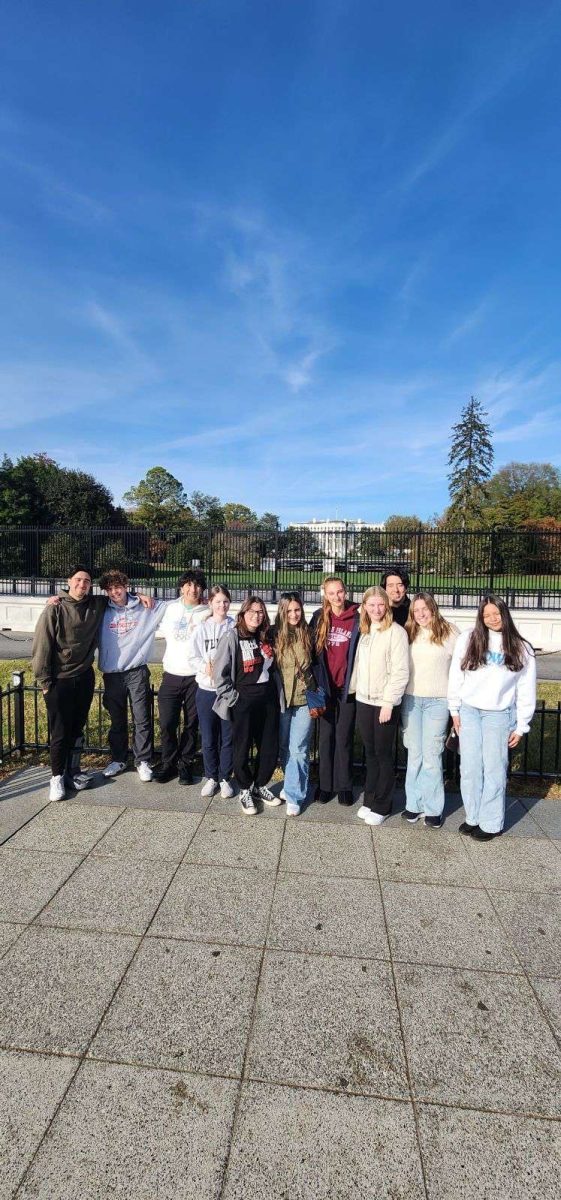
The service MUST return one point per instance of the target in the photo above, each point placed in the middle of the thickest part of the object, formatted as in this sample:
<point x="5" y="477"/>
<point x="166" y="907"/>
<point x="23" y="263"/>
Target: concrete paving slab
<point x="216" y="904"/>
<point x="318" y="914"/>
<point x="32" y="1087"/>
<point x="28" y="879"/>
<point x="546" y="814"/>
<point x="15" y="811"/>
<point x="328" y="850"/>
<point x="415" y="854"/>
<point x="56" y="984"/>
<point x="518" y="820"/>
<point x="237" y="842"/>
<point x="517" y="864"/>
<point x="110" y="894"/>
<point x="127" y="790"/>
<point x="308" y="1145"/>
<point x="8" y="934"/>
<point x="182" y="1005"/>
<point x="123" y="1131"/>
<point x="148" y="834"/>
<point x="488" y="1156"/>
<point x="549" y="996"/>
<point x="329" y="1023"/>
<point x="450" y="927"/>
<point x="67" y="829"/>
<point x="478" y="1039"/>
<point x="533" y="924"/>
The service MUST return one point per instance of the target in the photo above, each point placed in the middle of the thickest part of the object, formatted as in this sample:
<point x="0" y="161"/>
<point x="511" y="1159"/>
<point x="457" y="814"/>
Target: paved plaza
<point x="199" y="1004"/>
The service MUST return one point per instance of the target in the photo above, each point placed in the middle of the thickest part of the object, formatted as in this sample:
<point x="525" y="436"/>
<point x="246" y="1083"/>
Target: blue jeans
<point x="295" y="733"/>
<point x="483" y="764"/>
<point x="424" y="720"/>
<point x="216" y="738"/>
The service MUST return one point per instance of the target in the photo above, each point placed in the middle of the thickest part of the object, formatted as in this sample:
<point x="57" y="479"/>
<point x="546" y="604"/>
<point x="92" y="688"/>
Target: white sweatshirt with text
<point x="493" y="687"/>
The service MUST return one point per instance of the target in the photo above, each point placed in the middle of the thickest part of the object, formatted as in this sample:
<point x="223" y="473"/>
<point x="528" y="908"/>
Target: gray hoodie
<point x="127" y="633"/>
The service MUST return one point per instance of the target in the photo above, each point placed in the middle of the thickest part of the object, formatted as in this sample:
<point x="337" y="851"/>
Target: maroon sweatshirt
<point x="337" y="645"/>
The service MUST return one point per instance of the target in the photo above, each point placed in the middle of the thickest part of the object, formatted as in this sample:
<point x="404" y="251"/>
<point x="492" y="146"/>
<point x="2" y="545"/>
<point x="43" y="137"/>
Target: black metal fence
<point x="523" y="566"/>
<point x="24" y="728"/>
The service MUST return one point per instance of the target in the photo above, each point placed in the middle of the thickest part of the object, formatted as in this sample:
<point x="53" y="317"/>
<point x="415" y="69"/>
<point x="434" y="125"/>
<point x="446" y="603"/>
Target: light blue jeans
<point x="483" y="764"/>
<point x="294" y="740"/>
<point x="424" y="720"/>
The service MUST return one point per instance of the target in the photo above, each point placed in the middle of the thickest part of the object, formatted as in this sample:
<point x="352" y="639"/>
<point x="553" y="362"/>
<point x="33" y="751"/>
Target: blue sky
<point x="275" y="247"/>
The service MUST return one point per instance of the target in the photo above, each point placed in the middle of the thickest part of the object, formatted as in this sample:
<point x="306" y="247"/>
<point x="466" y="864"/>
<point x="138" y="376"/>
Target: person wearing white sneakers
<point x="248" y="694"/>
<point x="125" y="640"/>
<point x="293" y="656"/>
<point x="379" y="679"/>
<point x="216" y="733"/>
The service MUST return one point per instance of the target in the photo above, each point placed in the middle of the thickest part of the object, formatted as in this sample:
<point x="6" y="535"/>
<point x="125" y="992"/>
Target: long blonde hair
<point x="322" y="628"/>
<point x="440" y="630"/>
<point x="293" y="637"/>
<point x="365" y="621"/>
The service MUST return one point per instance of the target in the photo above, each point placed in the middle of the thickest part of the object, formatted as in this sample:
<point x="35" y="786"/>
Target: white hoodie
<point x="178" y="627"/>
<point x="493" y="687"/>
<point x="203" y="650"/>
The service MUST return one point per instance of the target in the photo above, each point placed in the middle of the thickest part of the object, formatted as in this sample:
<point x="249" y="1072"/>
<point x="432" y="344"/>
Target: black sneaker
<point x="481" y="835"/>
<point x="247" y="802"/>
<point x="467" y="829"/>
<point x="185" y="774"/>
<point x="346" y="798"/>
<point x="322" y="797"/>
<point x="434" y="822"/>
<point x="163" y="774"/>
<point x="410" y="816"/>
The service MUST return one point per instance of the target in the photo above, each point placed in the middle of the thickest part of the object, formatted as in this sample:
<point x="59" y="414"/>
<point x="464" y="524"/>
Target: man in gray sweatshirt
<point x="125" y="640"/>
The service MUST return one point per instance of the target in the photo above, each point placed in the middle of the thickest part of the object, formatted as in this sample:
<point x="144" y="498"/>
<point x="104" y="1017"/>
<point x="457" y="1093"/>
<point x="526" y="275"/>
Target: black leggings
<point x="256" y="719"/>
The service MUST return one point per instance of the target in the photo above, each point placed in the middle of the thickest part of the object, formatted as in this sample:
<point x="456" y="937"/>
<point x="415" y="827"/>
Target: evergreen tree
<point x="470" y="461"/>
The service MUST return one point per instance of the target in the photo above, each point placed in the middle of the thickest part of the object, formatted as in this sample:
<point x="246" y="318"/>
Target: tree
<point x="159" y="499"/>
<point x="239" y="515"/>
<point x="470" y="461"/>
<point x="207" y="509"/>
<point x="399" y="524"/>
<point x="521" y="493"/>
<point x="37" y="491"/>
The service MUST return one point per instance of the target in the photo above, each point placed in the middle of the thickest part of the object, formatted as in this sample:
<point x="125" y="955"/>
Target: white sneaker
<point x="268" y="797"/>
<point x="374" y="818"/>
<point x="56" y="788"/>
<point x="292" y="810"/>
<point x="363" y="812"/>
<point x="283" y="795"/>
<point x="81" y="781"/>
<point x="209" y="788"/>
<point x="144" y="772"/>
<point x="246" y="801"/>
<point x="226" y="789"/>
<point x="114" y="768"/>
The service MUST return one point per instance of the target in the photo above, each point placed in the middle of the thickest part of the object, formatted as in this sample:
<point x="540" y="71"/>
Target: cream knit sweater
<point x="429" y="664"/>
<point x="381" y="666"/>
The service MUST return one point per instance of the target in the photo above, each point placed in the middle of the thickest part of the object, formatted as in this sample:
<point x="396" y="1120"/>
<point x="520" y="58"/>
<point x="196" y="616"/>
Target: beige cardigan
<point x="381" y="667"/>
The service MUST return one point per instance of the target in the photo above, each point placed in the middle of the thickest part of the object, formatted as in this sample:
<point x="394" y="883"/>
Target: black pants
<point x="336" y="735"/>
<point x="177" y="695"/>
<point x="68" y="704"/>
<point x="216" y="738"/>
<point x="379" y="743"/>
<point x="119" y="686"/>
<point x="256" y="719"/>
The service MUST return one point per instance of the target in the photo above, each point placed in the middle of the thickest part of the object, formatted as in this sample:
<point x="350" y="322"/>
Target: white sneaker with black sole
<point x="209" y="788"/>
<point x="56" y="788"/>
<point x="268" y="797"/>
<point x="246" y="801"/>
<point x="114" y="768"/>
<point x="226" y="789"/>
<point x="80" y="782"/>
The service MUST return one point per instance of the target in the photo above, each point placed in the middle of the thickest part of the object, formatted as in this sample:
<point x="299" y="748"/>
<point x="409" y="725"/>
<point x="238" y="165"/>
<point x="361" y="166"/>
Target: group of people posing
<point x="255" y="688"/>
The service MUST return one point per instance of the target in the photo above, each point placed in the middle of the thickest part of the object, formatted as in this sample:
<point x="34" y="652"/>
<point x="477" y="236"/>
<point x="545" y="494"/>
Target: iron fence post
<point x="275" y="568"/>
<point x="346" y="572"/>
<point x="419" y="543"/>
<point x="18" y="679"/>
<point x="492" y="561"/>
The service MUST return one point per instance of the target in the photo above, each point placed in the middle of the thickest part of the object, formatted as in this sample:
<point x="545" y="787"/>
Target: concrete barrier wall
<point x="542" y="629"/>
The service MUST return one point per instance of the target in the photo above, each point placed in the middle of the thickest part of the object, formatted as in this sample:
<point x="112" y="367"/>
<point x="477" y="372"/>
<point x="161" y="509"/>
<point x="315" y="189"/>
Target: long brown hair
<point x="515" y="647"/>
<point x="293" y="637"/>
<point x="440" y="630"/>
<point x="322" y="628"/>
<point x="387" y="619"/>
<point x="241" y="627"/>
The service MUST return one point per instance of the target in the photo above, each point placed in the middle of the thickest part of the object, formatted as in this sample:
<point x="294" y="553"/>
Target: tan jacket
<point x="381" y="667"/>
